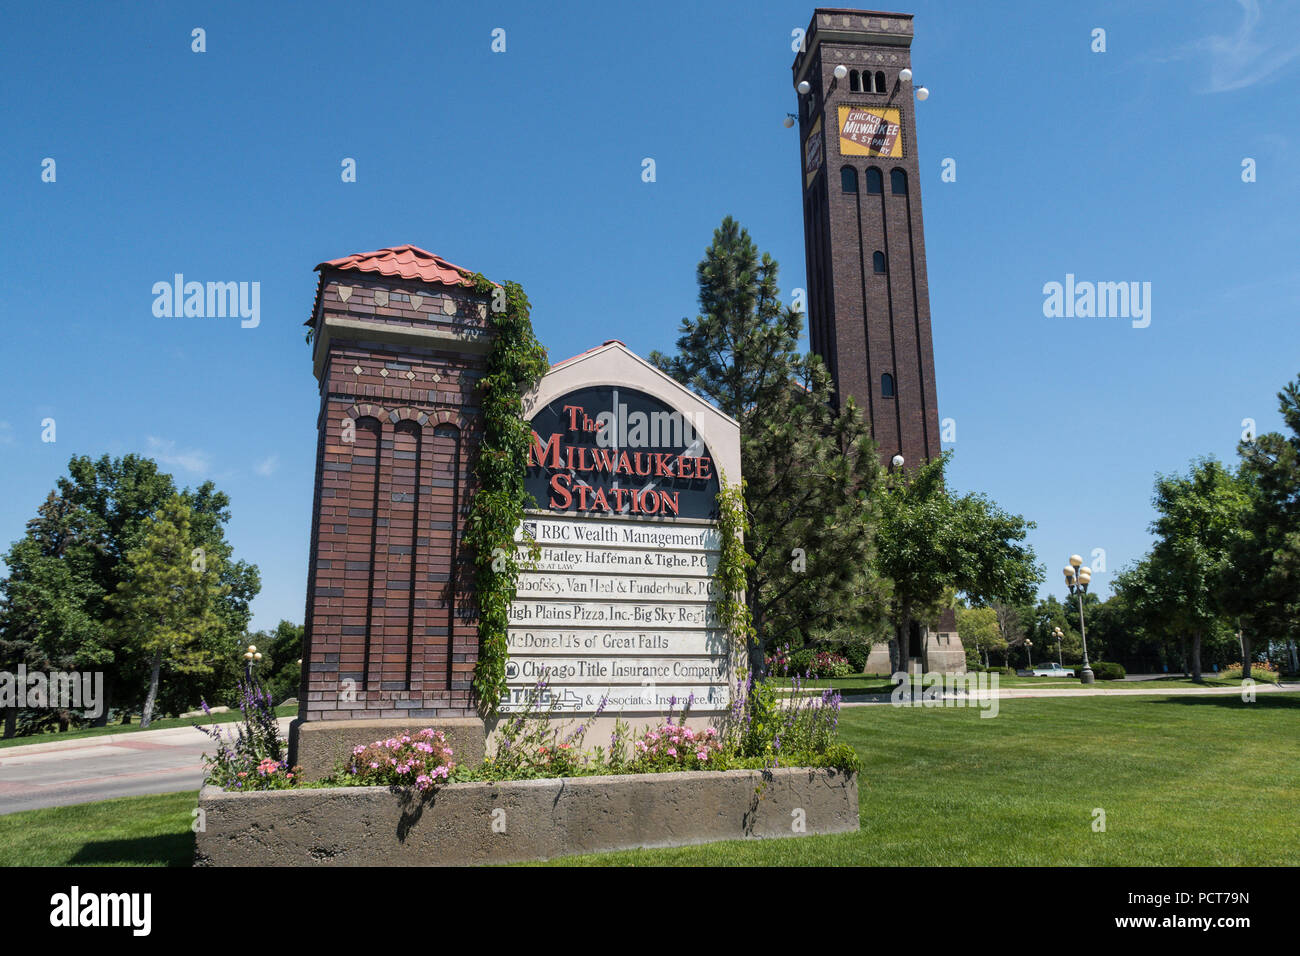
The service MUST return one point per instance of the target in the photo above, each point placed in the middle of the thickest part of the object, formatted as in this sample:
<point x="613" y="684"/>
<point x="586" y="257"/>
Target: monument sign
<point x="624" y="470"/>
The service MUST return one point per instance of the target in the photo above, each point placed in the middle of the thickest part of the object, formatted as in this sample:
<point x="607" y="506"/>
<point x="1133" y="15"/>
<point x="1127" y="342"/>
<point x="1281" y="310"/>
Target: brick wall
<point x="391" y="630"/>
<point x="864" y="323"/>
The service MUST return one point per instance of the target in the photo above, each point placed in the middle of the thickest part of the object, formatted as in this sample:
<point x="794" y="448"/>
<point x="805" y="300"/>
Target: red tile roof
<point x="408" y="262"/>
<point x="405" y="262"/>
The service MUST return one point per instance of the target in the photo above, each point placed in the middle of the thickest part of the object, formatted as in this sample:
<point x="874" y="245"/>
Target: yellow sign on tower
<point x="870" y="131"/>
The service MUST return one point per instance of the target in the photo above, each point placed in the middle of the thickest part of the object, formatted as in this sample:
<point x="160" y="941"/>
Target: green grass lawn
<point x="1205" y="781"/>
<point x="132" y="831"/>
<point x="160" y="724"/>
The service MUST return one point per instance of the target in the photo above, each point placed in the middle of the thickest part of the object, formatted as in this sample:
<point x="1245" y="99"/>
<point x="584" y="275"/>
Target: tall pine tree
<point x="1266" y="598"/>
<point x="810" y="470"/>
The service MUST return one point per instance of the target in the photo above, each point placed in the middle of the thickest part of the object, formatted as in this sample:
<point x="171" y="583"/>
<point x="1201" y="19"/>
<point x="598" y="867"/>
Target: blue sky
<point x="225" y="166"/>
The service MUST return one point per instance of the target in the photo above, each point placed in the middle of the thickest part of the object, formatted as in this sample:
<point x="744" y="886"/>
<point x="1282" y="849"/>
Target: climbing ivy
<point x="515" y="364"/>
<point x="734" y="564"/>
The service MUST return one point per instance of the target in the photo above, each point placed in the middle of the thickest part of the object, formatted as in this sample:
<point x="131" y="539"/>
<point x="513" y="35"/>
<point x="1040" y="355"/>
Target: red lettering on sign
<point x="547" y="455"/>
<point x="561" y="497"/>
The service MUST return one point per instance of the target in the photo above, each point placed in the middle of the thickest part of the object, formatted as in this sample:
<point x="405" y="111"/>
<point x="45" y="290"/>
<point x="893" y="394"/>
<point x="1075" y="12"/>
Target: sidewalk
<point x="60" y="772"/>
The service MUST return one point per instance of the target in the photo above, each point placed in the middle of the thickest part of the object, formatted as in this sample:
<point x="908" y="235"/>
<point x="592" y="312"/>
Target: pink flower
<point x="672" y="751"/>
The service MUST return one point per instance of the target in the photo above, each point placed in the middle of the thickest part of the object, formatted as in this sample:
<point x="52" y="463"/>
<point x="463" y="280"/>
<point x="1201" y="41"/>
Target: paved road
<point x="99" y="768"/>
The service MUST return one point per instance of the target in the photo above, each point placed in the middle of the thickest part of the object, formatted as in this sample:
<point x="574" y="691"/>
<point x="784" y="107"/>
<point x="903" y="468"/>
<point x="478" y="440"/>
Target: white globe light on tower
<point x="789" y="121"/>
<point x="905" y="75"/>
<point x="841" y="72"/>
<point x="923" y="94"/>
<point x="804" y="87"/>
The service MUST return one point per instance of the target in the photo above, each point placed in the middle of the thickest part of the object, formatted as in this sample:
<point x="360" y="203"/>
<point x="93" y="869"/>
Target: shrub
<point x="856" y="654"/>
<point x="528" y="745"/>
<point x="808" y="662"/>
<point x="842" y="757"/>
<point x="1104" y="670"/>
<point x="754" y="713"/>
<point x="1259" y="670"/>
<point x="827" y="664"/>
<point x="420" y="760"/>
<point x="801" y="662"/>
<point x="675" y="747"/>
<point x="778" y="662"/>
<point x="254" y="759"/>
<point x="787" y="732"/>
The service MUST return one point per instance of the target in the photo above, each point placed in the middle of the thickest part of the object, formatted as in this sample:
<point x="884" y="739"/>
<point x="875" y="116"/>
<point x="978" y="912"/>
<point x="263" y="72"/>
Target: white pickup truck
<point x="1051" y="670"/>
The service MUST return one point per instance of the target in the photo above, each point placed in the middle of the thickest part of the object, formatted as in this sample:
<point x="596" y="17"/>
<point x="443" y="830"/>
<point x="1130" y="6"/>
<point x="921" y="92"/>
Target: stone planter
<point x="468" y="823"/>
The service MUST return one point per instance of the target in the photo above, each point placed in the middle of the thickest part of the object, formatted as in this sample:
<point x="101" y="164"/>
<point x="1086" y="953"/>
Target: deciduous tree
<point x="170" y="599"/>
<point x="930" y="541"/>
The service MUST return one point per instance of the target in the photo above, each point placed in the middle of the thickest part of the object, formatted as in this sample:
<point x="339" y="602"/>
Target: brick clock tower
<point x="868" y="298"/>
<point x="399" y="344"/>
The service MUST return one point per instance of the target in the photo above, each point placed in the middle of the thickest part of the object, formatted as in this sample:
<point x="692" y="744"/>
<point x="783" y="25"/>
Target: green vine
<point x="734" y="565"/>
<point x="516" y="363"/>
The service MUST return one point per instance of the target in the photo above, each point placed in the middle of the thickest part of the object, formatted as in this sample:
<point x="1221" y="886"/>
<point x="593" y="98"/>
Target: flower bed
<point x="774" y="768"/>
<point x="517" y="820"/>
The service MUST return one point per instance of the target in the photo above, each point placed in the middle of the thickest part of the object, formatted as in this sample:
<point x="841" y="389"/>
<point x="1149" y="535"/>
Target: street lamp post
<point x="251" y="656"/>
<point x="1077" y="579"/>
<point x="1029" y="649"/>
<point x="1058" y="634"/>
